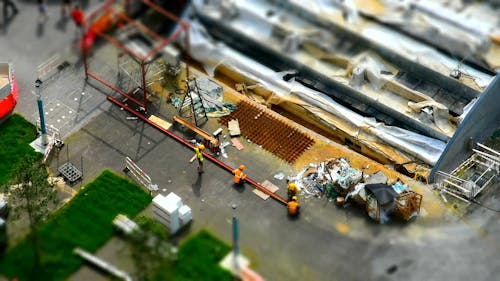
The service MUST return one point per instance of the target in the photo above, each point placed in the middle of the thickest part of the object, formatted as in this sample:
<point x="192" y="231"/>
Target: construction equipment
<point x="211" y="142"/>
<point x="192" y="103"/>
<point x="472" y="176"/>
<point x="274" y="133"/>
<point x="408" y="205"/>
<point x="187" y="143"/>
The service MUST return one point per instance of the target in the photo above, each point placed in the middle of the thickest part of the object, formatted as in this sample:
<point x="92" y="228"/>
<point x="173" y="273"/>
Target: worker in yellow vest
<point x="199" y="155"/>
<point x="292" y="190"/>
<point x="239" y="176"/>
<point x="293" y="206"/>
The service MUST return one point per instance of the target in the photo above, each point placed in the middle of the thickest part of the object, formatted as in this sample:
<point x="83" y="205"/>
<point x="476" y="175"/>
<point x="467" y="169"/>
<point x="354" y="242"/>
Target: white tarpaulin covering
<point x="212" y="54"/>
<point x="404" y="45"/>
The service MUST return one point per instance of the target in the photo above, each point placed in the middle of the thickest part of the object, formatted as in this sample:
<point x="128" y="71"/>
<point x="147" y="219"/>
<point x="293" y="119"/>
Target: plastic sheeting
<point x="466" y="110"/>
<point x="397" y="42"/>
<point x="422" y="53"/>
<point x="368" y="65"/>
<point x="212" y="54"/>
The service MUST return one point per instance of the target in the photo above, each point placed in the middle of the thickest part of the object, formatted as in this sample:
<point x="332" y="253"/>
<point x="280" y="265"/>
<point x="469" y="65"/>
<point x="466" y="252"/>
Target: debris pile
<point x="339" y="182"/>
<point x="209" y="93"/>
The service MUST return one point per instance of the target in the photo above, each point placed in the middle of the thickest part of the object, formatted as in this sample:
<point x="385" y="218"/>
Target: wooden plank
<point x="205" y="135"/>
<point x="234" y="128"/>
<point x="162" y="123"/>
<point x="261" y="194"/>
<point x="237" y="144"/>
<point x="270" y="186"/>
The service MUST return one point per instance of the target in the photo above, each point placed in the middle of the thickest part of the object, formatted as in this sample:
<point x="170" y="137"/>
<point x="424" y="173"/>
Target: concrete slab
<point x="269" y="185"/>
<point x="261" y="194"/>
<point x="229" y="263"/>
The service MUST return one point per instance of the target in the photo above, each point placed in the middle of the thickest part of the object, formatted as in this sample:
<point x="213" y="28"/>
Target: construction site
<point x="365" y="133"/>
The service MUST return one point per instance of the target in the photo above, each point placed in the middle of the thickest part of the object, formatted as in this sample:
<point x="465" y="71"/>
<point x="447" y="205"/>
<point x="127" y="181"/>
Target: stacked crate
<point x="171" y="212"/>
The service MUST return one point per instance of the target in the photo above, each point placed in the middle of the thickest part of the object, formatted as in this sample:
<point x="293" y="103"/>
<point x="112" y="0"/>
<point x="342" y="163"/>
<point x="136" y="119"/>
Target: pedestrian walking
<point x="42" y="10"/>
<point x="65" y="8"/>
<point x="198" y="150"/>
<point x="8" y="4"/>
<point x="78" y="17"/>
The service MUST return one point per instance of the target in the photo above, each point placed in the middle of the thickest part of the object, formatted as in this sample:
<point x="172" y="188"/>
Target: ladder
<point x="192" y="104"/>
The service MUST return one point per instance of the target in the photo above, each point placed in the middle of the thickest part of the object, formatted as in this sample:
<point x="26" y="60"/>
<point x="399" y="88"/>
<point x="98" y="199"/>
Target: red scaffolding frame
<point x="106" y="17"/>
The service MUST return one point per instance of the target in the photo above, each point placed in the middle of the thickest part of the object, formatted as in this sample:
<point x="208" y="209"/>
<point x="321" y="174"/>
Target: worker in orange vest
<point x="239" y="176"/>
<point x="292" y="190"/>
<point x="198" y="150"/>
<point x="293" y="206"/>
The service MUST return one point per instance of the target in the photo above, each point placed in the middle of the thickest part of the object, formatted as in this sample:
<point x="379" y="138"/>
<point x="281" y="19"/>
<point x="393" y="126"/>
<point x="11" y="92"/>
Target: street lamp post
<point x="43" y="139"/>
<point x="236" y="246"/>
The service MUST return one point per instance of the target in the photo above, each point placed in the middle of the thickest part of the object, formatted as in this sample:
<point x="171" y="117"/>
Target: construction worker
<point x="198" y="150"/>
<point x="293" y="206"/>
<point x="239" y="176"/>
<point x="292" y="190"/>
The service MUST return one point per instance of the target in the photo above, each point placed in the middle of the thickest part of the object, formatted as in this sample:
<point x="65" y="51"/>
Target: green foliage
<point x="150" y="249"/>
<point x="150" y="224"/>
<point x="16" y="133"/>
<point x="198" y="259"/>
<point x="30" y="194"/>
<point x="86" y="222"/>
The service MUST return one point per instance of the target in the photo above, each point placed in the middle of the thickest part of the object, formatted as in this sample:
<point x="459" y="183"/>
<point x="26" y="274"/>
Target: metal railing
<point x="139" y="174"/>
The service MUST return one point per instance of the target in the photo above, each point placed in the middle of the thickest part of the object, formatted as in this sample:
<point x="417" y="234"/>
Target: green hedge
<point x="198" y="259"/>
<point x="16" y="133"/>
<point x="86" y="222"/>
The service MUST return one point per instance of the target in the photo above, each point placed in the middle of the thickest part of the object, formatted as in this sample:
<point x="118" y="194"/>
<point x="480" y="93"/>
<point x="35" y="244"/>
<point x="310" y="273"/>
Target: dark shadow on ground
<point x="8" y="17"/>
<point x="196" y="186"/>
<point x="40" y="28"/>
<point x="183" y="232"/>
<point x="239" y="187"/>
<point x="62" y="23"/>
<point x="293" y="217"/>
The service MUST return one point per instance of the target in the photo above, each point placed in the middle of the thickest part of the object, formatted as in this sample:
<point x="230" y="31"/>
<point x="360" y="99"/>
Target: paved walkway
<point x="326" y="243"/>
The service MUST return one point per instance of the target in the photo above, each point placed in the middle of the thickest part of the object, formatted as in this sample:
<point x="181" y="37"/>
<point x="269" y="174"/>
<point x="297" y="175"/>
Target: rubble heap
<point x="339" y="182"/>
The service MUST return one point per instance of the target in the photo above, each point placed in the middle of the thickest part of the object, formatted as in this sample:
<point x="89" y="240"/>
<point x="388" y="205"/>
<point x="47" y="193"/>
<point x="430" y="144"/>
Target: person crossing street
<point x="78" y="17"/>
<point x="9" y="5"/>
